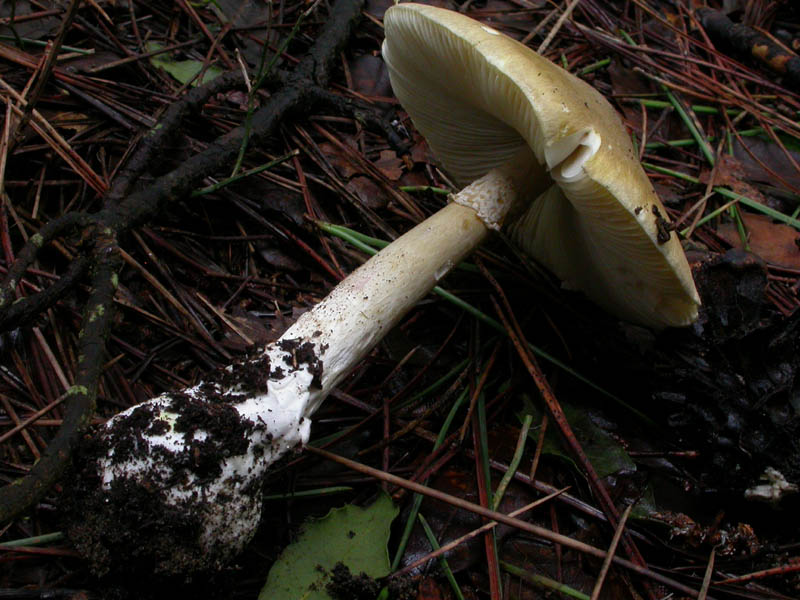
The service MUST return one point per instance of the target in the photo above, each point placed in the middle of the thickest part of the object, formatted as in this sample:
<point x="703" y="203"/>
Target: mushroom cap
<point x="481" y="99"/>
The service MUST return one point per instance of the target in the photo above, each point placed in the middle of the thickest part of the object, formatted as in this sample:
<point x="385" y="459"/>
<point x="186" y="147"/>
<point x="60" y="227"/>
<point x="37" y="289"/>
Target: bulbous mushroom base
<point x="130" y="529"/>
<point x="174" y="485"/>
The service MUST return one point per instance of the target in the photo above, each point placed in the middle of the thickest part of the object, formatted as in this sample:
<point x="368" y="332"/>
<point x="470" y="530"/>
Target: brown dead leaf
<point x="85" y="62"/>
<point x="774" y="242"/>
<point x="370" y="76"/>
<point x="275" y="198"/>
<point x="390" y="165"/>
<point x="670" y="195"/>
<point x="36" y="29"/>
<point x="569" y="568"/>
<point x="625" y="82"/>
<point x="339" y="160"/>
<point x="236" y="98"/>
<point x="414" y="178"/>
<point x="371" y="194"/>
<point x="277" y="258"/>
<point x="243" y="13"/>
<point x="506" y="16"/>
<point x="420" y="151"/>
<point x="73" y="121"/>
<point x="448" y="525"/>
<point x="282" y="322"/>
<point x="249" y="325"/>
<point x="771" y="155"/>
<point x="731" y="173"/>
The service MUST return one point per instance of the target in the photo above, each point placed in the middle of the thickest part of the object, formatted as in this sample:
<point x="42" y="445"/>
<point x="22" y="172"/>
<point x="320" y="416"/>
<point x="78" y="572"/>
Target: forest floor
<point x="124" y="123"/>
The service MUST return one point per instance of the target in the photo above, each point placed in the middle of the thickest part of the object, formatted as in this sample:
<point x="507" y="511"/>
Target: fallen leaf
<point x="769" y="154"/>
<point x="390" y="165"/>
<point x="248" y="324"/>
<point x="182" y="70"/>
<point x="244" y="13"/>
<point x="371" y="195"/>
<point x="35" y="29"/>
<point x="370" y="76"/>
<point x="378" y="8"/>
<point x="506" y="16"/>
<point x="237" y="98"/>
<point x="77" y="122"/>
<point x="776" y="243"/>
<point x="85" y="62"/>
<point x="279" y="259"/>
<point x="448" y="525"/>
<point x="274" y="198"/>
<point x="607" y="455"/>
<point x="414" y="178"/>
<point x="731" y="173"/>
<point x="351" y="535"/>
<point x="420" y="151"/>
<point x="338" y="159"/>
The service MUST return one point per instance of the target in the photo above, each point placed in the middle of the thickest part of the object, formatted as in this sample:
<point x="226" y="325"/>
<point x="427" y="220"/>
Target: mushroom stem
<point x="176" y="481"/>
<point x="367" y="304"/>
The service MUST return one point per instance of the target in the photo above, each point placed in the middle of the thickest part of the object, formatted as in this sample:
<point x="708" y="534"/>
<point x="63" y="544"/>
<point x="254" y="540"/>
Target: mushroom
<point x="174" y="485"/>
<point x="176" y="481"/>
<point x="484" y="101"/>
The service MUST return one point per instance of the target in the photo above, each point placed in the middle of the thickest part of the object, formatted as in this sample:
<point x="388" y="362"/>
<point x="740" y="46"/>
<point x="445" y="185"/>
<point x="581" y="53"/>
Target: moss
<point x="98" y="311"/>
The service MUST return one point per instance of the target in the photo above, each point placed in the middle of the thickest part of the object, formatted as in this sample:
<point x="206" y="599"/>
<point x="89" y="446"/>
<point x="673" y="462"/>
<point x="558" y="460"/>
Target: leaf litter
<point x="239" y="265"/>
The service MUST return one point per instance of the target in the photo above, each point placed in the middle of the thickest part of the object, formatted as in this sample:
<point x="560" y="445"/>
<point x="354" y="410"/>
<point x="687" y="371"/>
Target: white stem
<point x="196" y="459"/>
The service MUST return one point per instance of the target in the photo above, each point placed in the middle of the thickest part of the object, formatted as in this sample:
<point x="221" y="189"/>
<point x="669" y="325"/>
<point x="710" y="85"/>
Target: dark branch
<point x="121" y="213"/>
<point x="26" y="257"/>
<point x="28" y="308"/>
<point x="97" y="315"/>
<point x="154" y="140"/>
<point x="749" y="41"/>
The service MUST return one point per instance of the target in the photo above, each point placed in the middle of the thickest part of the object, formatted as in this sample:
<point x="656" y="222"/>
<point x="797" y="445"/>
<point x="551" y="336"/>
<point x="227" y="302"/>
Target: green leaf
<point x="646" y="505"/>
<point x="605" y="453"/>
<point x="351" y="535"/>
<point x="182" y="70"/>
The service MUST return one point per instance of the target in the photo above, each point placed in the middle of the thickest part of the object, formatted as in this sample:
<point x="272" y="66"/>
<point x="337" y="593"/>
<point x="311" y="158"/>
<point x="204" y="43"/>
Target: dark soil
<point x="343" y="585"/>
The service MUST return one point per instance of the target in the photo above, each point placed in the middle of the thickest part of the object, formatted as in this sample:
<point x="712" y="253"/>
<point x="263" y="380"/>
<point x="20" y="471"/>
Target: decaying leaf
<point x="370" y="76"/>
<point x="370" y="193"/>
<point x="776" y="243"/>
<point x="749" y="151"/>
<point x="729" y="539"/>
<point x="731" y="173"/>
<point x="605" y="453"/>
<point x="390" y="165"/>
<point x="182" y="70"/>
<point x="339" y="160"/>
